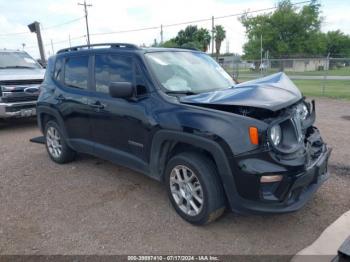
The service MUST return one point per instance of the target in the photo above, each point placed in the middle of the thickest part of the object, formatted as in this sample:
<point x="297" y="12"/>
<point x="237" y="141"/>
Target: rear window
<point x="76" y="72"/>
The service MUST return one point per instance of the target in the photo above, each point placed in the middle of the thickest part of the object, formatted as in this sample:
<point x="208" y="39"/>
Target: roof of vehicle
<point x="119" y="47"/>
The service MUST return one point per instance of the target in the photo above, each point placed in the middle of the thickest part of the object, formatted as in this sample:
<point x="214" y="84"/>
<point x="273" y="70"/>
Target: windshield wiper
<point x="181" y="92"/>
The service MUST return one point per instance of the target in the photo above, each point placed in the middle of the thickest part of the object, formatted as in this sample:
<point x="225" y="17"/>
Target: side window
<point x="58" y="71"/>
<point x="112" y="68"/>
<point x="76" y="72"/>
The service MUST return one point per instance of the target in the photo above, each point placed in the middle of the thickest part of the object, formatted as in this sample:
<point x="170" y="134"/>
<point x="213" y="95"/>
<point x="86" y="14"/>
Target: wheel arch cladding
<point x="164" y="141"/>
<point x="46" y="113"/>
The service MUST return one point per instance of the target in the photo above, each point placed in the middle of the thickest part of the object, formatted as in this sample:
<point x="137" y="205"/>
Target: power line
<point x="196" y="21"/>
<point x="127" y="31"/>
<point x="44" y="28"/>
<point x="65" y="23"/>
<point x="167" y="25"/>
<point x="59" y="42"/>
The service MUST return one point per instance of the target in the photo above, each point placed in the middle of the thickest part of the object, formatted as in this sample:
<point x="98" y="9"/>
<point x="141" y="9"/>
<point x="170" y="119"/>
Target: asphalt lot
<point x="91" y="206"/>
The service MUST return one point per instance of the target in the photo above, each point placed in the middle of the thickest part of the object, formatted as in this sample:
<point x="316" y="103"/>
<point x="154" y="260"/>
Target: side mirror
<point x="121" y="89"/>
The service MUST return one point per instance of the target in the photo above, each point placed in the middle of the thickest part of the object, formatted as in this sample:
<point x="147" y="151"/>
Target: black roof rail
<point x="110" y="45"/>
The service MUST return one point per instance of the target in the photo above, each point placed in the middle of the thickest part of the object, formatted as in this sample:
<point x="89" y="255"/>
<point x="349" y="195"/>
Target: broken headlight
<point x="302" y="110"/>
<point x="276" y="134"/>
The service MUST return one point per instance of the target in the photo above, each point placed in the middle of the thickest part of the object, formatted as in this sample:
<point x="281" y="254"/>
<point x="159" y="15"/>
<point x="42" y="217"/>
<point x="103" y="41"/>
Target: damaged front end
<point x="290" y="161"/>
<point x="290" y="164"/>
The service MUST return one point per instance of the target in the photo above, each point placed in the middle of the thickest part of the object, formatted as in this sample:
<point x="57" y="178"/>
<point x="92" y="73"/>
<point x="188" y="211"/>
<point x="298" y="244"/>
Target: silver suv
<point x="20" y="77"/>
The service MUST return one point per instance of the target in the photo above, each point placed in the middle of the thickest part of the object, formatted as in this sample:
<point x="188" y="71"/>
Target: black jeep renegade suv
<point x="178" y="117"/>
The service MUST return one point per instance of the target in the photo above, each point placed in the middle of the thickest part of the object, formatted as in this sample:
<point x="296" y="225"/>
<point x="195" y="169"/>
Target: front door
<point x="120" y="126"/>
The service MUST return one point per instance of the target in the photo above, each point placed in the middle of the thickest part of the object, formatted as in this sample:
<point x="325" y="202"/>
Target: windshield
<point x="17" y="60"/>
<point x="188" y="72"/>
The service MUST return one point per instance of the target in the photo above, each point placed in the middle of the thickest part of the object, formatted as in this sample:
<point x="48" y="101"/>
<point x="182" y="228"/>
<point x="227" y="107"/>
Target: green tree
<point x="220" y="35"/>
<point x="203" y="37"/>
<point x="190" y="37"/>
<point x="286" y="32"/>
<point x="187" y="35"/>
<point x="170" y="43"/>
<point x="337" y="44"/>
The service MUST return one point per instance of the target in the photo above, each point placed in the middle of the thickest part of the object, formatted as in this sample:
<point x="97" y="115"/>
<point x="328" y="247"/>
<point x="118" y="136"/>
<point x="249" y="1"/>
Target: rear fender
<point x="43" y="110"/>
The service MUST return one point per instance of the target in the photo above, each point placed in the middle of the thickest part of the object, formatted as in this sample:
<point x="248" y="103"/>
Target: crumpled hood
<point x="21" y="74"/>
<point x="272" y="92"/>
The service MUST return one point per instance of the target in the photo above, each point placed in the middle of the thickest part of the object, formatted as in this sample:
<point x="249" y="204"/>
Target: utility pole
<point x="161" y="34"/>
<point x="35" y="28"/>
<point x="212" y="35"/>
<point x="70" y="44"/>
<point x="326" y="67"/>
<point x="86" y="20"/>
<point x="53" y="51"/>
<point x="261" y="55"/>
<point x="268" y="66"/>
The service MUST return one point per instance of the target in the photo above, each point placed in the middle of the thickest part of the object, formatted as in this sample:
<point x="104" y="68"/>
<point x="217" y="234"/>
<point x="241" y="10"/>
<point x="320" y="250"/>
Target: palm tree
<point x="187" y="35"/>
<point x="203" y="37"/>
<point x="220" y="35"/>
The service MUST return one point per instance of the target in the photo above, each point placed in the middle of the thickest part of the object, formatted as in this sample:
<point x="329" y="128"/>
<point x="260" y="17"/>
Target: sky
<point x="115" y="16"/>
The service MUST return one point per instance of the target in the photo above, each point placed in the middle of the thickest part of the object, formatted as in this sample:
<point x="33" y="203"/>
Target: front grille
<point x="15" y="99"/>
<point x="22" y="82"/>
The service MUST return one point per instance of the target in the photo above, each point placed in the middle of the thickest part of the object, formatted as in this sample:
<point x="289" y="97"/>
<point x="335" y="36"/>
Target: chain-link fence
<point x="320" y="76"/>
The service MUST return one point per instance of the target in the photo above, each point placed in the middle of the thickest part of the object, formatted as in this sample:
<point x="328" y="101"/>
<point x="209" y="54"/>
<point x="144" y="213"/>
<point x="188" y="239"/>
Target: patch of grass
<point x="333" y="88"/>
<point x="344" y="71"/>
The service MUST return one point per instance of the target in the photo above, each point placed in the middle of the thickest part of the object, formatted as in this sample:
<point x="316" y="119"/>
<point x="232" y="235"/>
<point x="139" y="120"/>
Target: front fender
<point x="232" y="128"/>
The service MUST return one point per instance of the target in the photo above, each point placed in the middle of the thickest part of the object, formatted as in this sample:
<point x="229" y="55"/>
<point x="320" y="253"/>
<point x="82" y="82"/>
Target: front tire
<point x="194" y="188"/>
<point x="56" y="145"/>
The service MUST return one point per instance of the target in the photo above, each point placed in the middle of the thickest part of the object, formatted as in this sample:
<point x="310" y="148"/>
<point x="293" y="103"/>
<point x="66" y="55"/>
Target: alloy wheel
<point x="186" y="190"/>
<point x="53" y="141"/>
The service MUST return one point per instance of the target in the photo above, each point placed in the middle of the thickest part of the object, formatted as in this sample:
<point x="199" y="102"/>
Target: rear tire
<point x="194" y="188"/>
<point x="56" y="145"/>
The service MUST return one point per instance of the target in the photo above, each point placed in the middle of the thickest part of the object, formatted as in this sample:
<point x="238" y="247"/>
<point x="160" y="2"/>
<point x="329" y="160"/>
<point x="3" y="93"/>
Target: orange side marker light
<point x="254" y="135"/>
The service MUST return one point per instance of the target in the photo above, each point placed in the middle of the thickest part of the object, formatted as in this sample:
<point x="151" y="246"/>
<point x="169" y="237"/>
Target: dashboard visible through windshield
<point x="188" y="72"/>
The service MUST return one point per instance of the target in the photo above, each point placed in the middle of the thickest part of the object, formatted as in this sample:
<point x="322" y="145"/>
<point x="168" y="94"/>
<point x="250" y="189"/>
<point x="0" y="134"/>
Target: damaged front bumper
<point x="302" y="173"/>
<point x="291" y="193"/>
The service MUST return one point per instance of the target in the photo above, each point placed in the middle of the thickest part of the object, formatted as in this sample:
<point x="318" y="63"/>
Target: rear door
<point x="72" y="74"/>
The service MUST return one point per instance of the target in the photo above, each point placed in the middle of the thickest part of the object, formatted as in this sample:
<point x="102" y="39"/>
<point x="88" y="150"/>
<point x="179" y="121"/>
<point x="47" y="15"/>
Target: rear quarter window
<point x="58" y="69"/>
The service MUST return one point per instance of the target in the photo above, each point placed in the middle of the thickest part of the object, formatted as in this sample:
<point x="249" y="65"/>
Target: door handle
<point x="97" y="105"/>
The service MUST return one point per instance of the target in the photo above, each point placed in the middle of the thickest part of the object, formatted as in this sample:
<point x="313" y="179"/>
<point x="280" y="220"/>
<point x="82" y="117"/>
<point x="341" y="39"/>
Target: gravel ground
<point x="91" y="206"/>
